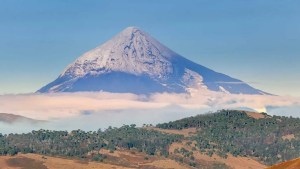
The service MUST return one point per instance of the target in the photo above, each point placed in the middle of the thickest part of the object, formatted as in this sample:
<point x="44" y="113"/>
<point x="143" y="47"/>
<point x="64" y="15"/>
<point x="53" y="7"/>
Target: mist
<point x="94" y="110"/>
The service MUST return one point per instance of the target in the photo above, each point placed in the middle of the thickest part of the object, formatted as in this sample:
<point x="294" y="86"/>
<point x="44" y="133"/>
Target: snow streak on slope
<point x="134" y="62"/>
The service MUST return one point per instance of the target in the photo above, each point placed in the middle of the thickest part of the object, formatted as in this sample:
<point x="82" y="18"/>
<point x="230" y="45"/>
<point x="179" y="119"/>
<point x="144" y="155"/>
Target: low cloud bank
<point x="93" y="110"/>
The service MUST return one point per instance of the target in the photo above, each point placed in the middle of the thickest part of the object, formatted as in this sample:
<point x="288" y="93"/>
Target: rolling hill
<point x="225" y="139"/>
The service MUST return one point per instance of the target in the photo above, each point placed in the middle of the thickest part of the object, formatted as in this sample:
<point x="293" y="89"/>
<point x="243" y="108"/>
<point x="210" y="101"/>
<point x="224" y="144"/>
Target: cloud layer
<point x="92" y="110"/>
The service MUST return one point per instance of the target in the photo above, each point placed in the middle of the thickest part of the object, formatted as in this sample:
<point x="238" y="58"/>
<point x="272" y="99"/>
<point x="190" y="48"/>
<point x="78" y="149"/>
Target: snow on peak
<point x="131" y="29"/>
<point x="133" y="61"/>
<point x="131" y="51"/>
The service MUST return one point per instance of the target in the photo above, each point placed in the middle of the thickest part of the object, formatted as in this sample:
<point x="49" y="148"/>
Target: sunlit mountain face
<point x="135" y="62"/>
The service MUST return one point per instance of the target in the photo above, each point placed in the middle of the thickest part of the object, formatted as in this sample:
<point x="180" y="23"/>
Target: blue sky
<point x="255" y="41"/>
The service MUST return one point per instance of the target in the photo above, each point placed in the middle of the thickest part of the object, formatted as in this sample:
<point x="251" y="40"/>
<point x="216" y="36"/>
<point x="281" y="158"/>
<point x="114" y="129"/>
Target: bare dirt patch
<point x="288" y="137"/>
<point x="25" y="163"/>
<point x="185" y="132"/>
<point x="166" y="164"/>
<point x="255" y="115"/>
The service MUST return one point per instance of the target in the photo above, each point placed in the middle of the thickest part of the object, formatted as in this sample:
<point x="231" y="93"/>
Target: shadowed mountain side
<point x="11" y="118"/>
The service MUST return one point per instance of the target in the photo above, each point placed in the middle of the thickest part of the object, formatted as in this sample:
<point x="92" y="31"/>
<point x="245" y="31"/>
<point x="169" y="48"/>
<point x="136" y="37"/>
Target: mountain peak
<point x="131" y="29"/>
<point x="132" y="50"/>
<point x="135" y="62"/>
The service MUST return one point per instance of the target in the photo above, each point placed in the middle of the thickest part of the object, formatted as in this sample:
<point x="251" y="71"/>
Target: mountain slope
<point x="11" y="118"/>
<point x="292" y="164"/>
<point x="134" y="62"/>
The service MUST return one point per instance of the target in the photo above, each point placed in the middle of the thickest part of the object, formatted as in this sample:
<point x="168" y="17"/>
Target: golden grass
<point x="137" y="159"/>
<point x="166" y="164"/>
<point x="231" y="161"/>
<point x="54" y="163"/>
<point x="255" y="115"/>
<point x="292" y="164"/>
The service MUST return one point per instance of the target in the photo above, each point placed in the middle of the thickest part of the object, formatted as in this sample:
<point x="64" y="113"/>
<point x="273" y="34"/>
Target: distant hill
<point x="11" y="118"/>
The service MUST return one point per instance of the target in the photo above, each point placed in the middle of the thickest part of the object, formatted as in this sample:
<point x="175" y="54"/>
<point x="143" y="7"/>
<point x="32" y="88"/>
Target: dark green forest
<point x="234" y="132"/>
<point x="222" y="133"/>
<point x="79" y="143"/>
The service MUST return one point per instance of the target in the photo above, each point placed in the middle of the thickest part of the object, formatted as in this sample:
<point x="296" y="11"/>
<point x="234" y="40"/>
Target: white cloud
<point x="92" y="110"/>
<point x="61" y="105"/>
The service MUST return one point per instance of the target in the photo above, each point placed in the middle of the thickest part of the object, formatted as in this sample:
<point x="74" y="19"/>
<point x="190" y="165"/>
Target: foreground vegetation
<point x="270" y="139"/>
<point x="79" y="143"/>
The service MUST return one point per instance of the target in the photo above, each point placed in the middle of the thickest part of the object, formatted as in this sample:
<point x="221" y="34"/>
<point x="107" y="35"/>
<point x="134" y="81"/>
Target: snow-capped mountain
<point x="134" y="62"/>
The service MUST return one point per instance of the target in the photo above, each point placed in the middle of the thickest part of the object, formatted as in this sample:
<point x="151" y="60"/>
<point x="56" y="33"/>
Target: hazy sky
<point x="255" y="41"/>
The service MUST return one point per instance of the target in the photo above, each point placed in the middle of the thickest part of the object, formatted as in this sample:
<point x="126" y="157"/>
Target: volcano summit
<point x="135" y="62"/>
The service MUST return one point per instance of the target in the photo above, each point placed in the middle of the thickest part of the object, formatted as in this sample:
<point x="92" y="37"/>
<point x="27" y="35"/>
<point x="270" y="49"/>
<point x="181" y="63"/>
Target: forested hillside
<point x="79" y="143"/>
<point x="224" y="134"/>
<point x="271" y="139"/>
